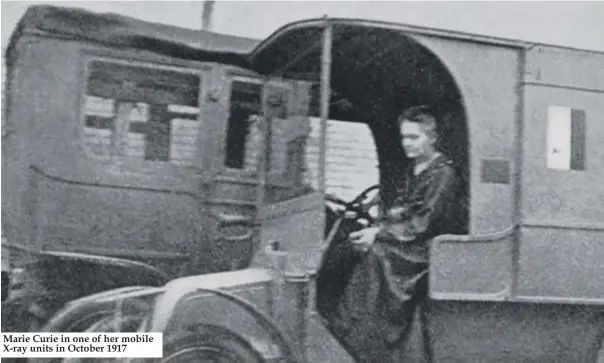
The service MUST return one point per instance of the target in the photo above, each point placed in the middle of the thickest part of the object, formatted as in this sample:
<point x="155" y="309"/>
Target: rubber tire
<point x="213" y="344"/>
<point x="77" y="325"/>
<point x="17" y="317"/>
<point x="90" y="314"/>
<point x="93" y="314"/>
<point x="83" y="322"/>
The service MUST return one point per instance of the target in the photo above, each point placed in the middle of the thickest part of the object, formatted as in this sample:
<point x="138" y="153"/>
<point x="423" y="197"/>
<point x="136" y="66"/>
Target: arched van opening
<point x="377" y="72"/>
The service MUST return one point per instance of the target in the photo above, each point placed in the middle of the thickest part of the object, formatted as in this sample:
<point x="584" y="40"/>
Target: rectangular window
<point x="566" y="132"/>
<point x="245" y="106"/>
<point x="244" y="129"/>
<point x="141" y="112"/>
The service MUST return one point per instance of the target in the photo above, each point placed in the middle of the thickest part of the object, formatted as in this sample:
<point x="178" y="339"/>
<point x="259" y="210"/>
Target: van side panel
<point x="487" y="77"/>
<point x="562" y="233"/>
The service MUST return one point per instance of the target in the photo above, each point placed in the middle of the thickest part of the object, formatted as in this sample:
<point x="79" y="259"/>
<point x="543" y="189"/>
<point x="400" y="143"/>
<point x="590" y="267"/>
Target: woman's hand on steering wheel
<point x="363" y="239"/>
<point x="358" y="205"/>
<point x="361" y="205"/>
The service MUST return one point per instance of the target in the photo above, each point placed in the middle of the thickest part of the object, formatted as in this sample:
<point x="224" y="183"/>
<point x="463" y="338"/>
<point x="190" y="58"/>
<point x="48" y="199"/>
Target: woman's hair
<point x="421" y="115"/>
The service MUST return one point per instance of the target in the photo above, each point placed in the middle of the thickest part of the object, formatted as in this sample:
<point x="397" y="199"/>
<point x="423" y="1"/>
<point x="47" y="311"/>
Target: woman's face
<point x="416" y="143"/>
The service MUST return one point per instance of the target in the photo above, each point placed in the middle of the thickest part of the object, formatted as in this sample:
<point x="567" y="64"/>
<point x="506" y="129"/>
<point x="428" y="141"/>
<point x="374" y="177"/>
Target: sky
<point x="574" y="23"/>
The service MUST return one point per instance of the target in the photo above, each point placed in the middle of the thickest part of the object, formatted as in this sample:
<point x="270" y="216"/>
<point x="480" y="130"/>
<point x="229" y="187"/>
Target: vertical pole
<point x="261" y="166"/>
<point x="325" y="99"/>
<point x="206" y="15"/>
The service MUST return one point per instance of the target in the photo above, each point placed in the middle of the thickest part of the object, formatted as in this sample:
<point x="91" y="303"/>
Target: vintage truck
<point x="235" y="216"/>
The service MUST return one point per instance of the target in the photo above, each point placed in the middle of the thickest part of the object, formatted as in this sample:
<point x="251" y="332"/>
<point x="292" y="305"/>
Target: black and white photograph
<point x="302" y="181"/>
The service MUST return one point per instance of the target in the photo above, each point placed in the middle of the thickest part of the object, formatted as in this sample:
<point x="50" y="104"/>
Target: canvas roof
<point x="122" y="31"/>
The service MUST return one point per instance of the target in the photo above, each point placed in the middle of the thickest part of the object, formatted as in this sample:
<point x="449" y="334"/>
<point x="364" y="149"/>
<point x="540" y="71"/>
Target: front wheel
<point x="22" y="314"/>
<point x="209" y="344"/>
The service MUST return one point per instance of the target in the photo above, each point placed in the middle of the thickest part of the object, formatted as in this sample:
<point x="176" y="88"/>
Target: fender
<point x="80" y="314"/>
<point x="66" y="276"/>
<point x="93" y="273"/>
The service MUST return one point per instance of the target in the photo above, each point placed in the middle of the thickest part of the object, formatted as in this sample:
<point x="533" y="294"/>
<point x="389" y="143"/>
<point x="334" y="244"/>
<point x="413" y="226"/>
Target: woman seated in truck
<point x="375" y="310"/>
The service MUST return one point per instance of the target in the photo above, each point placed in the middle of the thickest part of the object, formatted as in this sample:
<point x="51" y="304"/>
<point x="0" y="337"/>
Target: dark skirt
<point x="368" y="301"/>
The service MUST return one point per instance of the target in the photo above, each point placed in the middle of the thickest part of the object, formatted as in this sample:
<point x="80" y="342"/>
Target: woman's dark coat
<point x="368" y="300"/>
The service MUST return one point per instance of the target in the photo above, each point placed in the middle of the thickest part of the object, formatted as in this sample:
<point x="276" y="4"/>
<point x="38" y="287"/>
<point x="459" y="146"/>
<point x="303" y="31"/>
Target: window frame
<point x="129" y="165"/>
<point x="245" y="175"/>
<point x="576" y="143"/>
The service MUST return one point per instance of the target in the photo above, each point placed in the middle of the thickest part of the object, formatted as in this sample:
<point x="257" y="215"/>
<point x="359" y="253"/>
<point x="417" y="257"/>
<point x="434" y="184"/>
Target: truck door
<point x="290" y="203"/>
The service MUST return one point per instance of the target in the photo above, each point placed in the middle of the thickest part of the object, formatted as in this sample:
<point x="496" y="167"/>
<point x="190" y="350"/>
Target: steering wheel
<point x="358" y="205"/>
<point x="365" y="193"/>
